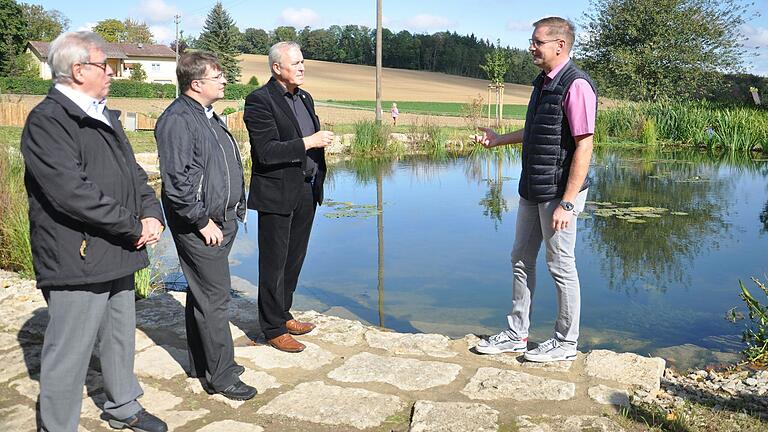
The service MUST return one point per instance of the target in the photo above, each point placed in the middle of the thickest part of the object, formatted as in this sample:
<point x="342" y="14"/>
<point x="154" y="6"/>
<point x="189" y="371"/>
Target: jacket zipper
<point x="226" y="164"/>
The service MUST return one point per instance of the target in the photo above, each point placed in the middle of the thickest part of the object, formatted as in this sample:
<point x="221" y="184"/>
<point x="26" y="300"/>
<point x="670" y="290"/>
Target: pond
<point x="423" y="245"/>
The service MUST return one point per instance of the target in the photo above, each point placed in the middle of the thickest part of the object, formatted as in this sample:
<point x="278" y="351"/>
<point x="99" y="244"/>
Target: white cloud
<point x="299" y="18"/>
<point x="163" y="34"/>
<point x="86" y="27"/>
<point x="156" y="11"/>
<point x="520" y="25"/>
<point x="757" y="36"/>
<point x="424" y="22"/>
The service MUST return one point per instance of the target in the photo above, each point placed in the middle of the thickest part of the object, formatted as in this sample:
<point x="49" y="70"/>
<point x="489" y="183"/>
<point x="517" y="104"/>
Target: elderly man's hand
<point x="318" y="140"/>
<point x="212" y="234"/>
<point x="151" y="230"/>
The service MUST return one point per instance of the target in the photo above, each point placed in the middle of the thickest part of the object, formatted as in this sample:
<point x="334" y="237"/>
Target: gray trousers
<point x="534" y="225"/>
<point x="209" y="340"/>
<point x="79" y="319"/>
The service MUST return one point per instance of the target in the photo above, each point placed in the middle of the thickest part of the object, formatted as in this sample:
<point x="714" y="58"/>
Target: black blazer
<point x="277" y="150"/>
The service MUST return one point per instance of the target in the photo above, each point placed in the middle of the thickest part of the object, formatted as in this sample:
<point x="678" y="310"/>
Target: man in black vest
<point x="204" y="198"/>
<point x="91" y="214"/>
<point x="557" y="148"/>
<point x="287" y="149"/>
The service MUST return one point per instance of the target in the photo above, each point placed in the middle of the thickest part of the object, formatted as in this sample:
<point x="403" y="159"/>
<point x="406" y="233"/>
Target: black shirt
<point x="235" y="173"/>
<point x="306" y="124"/>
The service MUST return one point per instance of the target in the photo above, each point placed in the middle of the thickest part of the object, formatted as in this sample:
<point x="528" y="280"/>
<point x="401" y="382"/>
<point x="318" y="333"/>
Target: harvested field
<point x="338" y="81"/>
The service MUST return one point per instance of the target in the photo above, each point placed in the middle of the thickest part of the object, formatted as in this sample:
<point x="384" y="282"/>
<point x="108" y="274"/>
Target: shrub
<point x="228" y="111"/>
<point x="31" y="86"/>
<point x="238" y="91"/>
<point x="133" y="89"/>
<point x="756" y="335"/>
<point x="137" y="73"/>
<point x="253" y="81"/>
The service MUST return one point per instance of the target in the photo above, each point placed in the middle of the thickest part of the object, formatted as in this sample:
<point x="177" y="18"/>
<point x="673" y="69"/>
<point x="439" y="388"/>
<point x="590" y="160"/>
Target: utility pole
<point x="378" y="61"/>
<point x="177" y="20"/>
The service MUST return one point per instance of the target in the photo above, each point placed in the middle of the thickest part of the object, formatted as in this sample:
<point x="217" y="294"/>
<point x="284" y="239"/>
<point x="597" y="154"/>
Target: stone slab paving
<point x="518" y="361"/>
<point x="626" y="368"/>
<point x="161" y="361"/>
<point x="566" y="424"/>
<point x="403" y="373"/>
<point x="230" y="426"/>
<point x="266" y="357"/>
<point x="318" y="402"/>
<point x="434" y="345"/>
<point x="491" y="383"/>
<point x="143" y="341"/>
<point x="27" y="387"/>
<point x="261" y="380"/>
<point x="17" y="418"/>
<point x="18" y="362"/>
<point x="431" y="416"/>
<point x="338" y="331"/>
<point x="8" y="341"/>
<point x="605" y="395"/>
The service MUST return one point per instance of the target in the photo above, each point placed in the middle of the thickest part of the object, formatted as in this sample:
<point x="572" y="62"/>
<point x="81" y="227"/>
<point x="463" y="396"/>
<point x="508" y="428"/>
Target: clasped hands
<point x="151" y="230"/>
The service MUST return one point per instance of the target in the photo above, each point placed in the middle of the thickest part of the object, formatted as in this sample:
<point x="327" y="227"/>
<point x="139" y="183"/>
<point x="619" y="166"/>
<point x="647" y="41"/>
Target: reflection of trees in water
<point x="489" y="168"/>
<point x="661" y="251"/>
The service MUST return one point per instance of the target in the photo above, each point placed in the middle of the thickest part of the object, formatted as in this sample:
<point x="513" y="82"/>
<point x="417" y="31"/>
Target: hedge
<point x="119" y="88"/>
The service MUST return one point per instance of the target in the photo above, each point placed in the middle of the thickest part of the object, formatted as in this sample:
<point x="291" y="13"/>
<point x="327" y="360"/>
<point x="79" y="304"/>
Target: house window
<point x="155" y="67"/>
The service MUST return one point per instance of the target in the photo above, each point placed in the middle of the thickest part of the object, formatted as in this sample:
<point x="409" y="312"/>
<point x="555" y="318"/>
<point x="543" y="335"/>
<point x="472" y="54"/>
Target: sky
<point x="506" y="20"/>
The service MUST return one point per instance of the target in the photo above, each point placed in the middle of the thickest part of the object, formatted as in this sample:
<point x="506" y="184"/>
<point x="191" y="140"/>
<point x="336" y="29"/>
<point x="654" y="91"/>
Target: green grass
<point x="142" y="141"/>
<point x="453" y="109"/>
<point x="15" y="252"/>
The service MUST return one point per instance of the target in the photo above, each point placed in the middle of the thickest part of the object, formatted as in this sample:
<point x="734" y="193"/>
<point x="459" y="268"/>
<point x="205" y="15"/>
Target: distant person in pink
<point x="394" y="113"/>
<point x="557" y="148"/>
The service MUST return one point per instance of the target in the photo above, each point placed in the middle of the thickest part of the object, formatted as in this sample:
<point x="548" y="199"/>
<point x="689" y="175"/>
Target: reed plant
<point x="15" y="251"/>
<point x="756" y="334"/>
<point x="371" y="138"/>
<point x="149" y="280"/>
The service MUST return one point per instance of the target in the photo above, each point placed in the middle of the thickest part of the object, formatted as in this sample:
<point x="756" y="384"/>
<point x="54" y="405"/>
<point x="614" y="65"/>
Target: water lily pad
<point x="679" y="213"/>
<point x="634" y="220"/>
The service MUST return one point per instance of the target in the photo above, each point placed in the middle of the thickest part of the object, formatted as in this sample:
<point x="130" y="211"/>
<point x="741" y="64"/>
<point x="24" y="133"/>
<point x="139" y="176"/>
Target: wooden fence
<point x="13" y="114"/>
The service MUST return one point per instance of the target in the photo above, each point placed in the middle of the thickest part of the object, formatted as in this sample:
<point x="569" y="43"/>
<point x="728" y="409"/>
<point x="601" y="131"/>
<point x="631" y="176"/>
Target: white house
<point x="158" y="61"/>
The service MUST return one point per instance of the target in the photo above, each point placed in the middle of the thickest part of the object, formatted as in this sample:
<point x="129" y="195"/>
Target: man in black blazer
<point x="287" y="151"/>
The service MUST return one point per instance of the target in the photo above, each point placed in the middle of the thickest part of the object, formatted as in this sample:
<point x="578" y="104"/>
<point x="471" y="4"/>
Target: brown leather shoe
<point x="287" y="343"/>
<point x="298" y="328"/>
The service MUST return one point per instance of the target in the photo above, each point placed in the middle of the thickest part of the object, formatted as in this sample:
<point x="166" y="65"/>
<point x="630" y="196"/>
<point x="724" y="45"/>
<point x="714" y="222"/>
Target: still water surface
<point x="437" y="257"/>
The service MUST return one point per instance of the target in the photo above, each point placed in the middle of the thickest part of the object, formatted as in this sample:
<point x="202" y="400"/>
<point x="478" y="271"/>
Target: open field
<point x="430" y="108"/>
<point x="338" y="81"/>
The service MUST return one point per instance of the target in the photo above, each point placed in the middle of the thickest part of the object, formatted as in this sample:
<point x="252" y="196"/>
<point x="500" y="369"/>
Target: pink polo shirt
<point x="579" y="104"/>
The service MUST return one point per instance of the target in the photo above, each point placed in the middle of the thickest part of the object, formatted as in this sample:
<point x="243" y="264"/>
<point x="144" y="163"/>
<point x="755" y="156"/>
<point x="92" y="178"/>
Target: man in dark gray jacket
<point x="91" y="214"/>
<point x="204" y="197"/>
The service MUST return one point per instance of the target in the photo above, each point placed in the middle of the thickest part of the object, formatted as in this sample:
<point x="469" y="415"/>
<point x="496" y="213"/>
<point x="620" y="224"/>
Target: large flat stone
<point x="518" y="361"/>
<point x="27" y="387"/>
<point x="566" y="424"/>
<point x="174" y="418"/>
<point x="608" y="396"/>
<point x="317" y="402"/>
<point x="18" y="362"/>
<point x="626" y="368"/>
<point x="431" y="416"/>
<point x="158" y="400"/>
<point x="161" y="361"/>
<point x="266" y="357"/>
<point x="492" y="383"/>
<point x="8" y="341"/>
<point x="261" y="380"/>
<point x="143" y="341"/>
<point x="403" y="373"/>
<point x="338" y="331"/>
<point x="159" y="312"/>
<point x="230" y="426"/>
<point x="17" y="418"/>
<point x="434" y="345"/>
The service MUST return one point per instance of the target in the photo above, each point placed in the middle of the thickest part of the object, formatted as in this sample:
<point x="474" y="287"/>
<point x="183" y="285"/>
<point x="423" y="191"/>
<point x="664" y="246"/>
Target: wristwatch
<point x="566" y="205"/>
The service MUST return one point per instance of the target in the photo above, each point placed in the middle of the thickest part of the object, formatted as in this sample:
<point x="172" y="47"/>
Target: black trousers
<point x="283" y="241"/>
<point x="209" y="340"/>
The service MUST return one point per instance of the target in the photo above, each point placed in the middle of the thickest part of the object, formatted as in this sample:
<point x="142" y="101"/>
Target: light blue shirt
<point x="92" y="107"/>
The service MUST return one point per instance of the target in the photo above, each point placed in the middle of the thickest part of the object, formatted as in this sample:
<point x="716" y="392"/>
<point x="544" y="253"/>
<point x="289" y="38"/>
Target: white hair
<point x="276" y="52"/>
<point x="71" y="48"/>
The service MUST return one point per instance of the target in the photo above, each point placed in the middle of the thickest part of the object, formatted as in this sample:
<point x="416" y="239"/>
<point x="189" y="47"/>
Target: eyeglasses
<point x="214" y="78"/>
<point x="103" y="65"/>
<point x="538" y="43"/>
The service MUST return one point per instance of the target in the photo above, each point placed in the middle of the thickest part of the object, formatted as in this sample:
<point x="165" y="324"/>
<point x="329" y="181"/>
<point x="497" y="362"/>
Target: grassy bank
<point x="453" y="109"/>
<point x="14" y="220"/>
<point x="700" y="123"/>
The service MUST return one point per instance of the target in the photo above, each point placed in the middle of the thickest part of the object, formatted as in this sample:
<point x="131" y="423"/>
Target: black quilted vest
<point x="548" y="146"/>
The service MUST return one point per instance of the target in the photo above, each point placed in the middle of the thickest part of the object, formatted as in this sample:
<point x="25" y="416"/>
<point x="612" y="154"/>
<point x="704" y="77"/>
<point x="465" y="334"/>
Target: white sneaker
<point x="501" y="343"/>
<point x="552" y="350"/>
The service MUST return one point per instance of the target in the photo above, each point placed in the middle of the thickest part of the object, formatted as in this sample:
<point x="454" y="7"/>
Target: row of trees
<point x="20" y="23"/>
<point x="446" y="52"/>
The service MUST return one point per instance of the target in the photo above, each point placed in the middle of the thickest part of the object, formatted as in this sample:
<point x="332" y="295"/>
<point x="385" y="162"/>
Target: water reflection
<point x="659" y="253"/>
